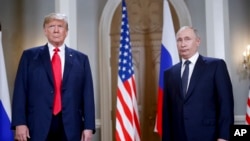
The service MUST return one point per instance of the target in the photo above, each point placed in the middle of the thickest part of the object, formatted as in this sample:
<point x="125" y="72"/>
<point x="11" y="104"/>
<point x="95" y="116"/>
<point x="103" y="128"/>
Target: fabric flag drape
<point x="248" y="109"/>
<point x="5" y="110"/>
<point x="169" y="56"/>
<point x="127" y="118"/>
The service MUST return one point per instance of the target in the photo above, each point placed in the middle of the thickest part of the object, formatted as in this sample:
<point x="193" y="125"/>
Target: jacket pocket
<point x="209" y="122"/>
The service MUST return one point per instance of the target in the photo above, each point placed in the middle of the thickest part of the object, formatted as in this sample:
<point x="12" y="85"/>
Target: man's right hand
<point x="22" y="133"/>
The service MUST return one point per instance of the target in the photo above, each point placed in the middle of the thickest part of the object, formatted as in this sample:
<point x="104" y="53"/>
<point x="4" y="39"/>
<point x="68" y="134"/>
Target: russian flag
<point x="169" y="56"/>
<point x="5" y="114"/>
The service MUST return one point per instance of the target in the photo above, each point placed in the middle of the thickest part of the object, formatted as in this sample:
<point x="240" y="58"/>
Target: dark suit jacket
<point x="34" y="93"/>
<point x="207" y="111"/>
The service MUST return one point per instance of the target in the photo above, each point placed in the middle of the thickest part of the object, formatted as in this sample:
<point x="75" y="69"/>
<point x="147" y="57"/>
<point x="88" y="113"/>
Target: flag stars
<point x="123" y="76"/>
<point x="124" y="69"/>
<point x="129" y="71"/>
<point x="124" y="9"/>
<point x="127" y="32"/>
<point x="124" y="61"/>
<point x="125" y="54"/>
<point x="126" y="46"/>
<point x="127" y="39"/>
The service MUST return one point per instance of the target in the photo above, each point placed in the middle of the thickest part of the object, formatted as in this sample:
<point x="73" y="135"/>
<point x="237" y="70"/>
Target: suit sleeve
<point x="225" y="100"/>
<point x="20" y="94"/>
<point x="88" y="98"/>
<point x="166" y="135"/>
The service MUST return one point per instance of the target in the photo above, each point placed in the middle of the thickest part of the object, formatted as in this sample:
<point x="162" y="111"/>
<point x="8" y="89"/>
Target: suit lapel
<point x="68" y="63"/>
<point x="45" y="56"/>
<point x="197" y="72"/>
<point x="47" y="62"/>
<point x="177" y="73"/>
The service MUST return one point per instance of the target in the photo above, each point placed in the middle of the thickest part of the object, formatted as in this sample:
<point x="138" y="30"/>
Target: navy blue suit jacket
<point x="207" y="110"/>
<point x="34" y="93"/>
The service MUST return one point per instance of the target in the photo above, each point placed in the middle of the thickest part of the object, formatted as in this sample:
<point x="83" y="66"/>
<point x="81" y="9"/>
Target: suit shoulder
<point x="77" y="53"/>
<point x="173" y="68"/>
<point x="213" y="60"/>
<point x="34" y="51"/>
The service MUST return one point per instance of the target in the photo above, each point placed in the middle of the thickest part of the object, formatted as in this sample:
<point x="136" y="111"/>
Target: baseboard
<point x="239" y="119"/>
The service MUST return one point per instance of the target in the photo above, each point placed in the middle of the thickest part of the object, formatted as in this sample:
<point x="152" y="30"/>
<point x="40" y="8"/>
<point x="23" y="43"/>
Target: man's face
<point x="56" y="32"/>
<point x="187" y="43"/>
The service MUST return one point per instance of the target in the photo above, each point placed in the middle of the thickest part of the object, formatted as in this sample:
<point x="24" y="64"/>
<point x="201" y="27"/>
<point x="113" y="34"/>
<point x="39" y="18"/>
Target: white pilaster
<point x="69" y="7"/>
<point x="217" y="27"/>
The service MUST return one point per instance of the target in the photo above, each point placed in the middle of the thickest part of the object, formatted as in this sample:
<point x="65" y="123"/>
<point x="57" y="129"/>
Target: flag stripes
<point x="125" y="111"/>
<point x="248" y="110"/>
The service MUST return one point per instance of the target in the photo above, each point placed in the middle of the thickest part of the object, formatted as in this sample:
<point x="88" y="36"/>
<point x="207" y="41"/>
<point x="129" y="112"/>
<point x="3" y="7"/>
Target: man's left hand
<point x="221" y="140"/>
<point x="86" y="135"/>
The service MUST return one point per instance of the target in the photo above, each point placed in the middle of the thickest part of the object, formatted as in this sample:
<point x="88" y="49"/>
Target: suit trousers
<point x="56" y="132"/>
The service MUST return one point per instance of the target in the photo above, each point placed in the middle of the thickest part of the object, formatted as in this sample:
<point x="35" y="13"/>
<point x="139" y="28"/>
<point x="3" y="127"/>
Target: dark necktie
<point x="57" y="73"/>
<point x="185" y="77"/>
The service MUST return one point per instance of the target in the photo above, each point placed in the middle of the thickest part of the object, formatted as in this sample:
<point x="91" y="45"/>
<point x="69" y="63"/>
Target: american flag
<point x="248" y="110"/>
<point x="169" y="56"/>
<point x="127" y="118"/>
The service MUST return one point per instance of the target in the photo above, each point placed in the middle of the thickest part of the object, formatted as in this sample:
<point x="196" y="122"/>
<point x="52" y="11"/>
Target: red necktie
<point x="57" y="72"/>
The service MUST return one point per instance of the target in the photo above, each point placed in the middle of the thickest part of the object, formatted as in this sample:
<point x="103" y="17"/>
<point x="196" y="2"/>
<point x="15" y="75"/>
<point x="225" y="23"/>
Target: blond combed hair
<point x="56" y="16"/>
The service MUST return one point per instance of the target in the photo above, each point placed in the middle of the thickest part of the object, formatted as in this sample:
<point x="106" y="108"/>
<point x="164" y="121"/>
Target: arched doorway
<point x="145" y="19"/>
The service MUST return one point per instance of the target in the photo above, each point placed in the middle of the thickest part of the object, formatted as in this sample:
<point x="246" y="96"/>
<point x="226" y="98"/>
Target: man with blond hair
<point x="53" y="96"/>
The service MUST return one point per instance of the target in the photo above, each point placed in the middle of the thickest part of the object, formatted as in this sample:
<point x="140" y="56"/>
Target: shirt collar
<point x="192" y="59"/>
<point x="51" y="47"/>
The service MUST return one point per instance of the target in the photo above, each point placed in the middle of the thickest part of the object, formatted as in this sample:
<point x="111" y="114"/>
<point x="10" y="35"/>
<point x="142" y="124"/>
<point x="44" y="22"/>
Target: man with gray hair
<point x="198" y="97"/>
